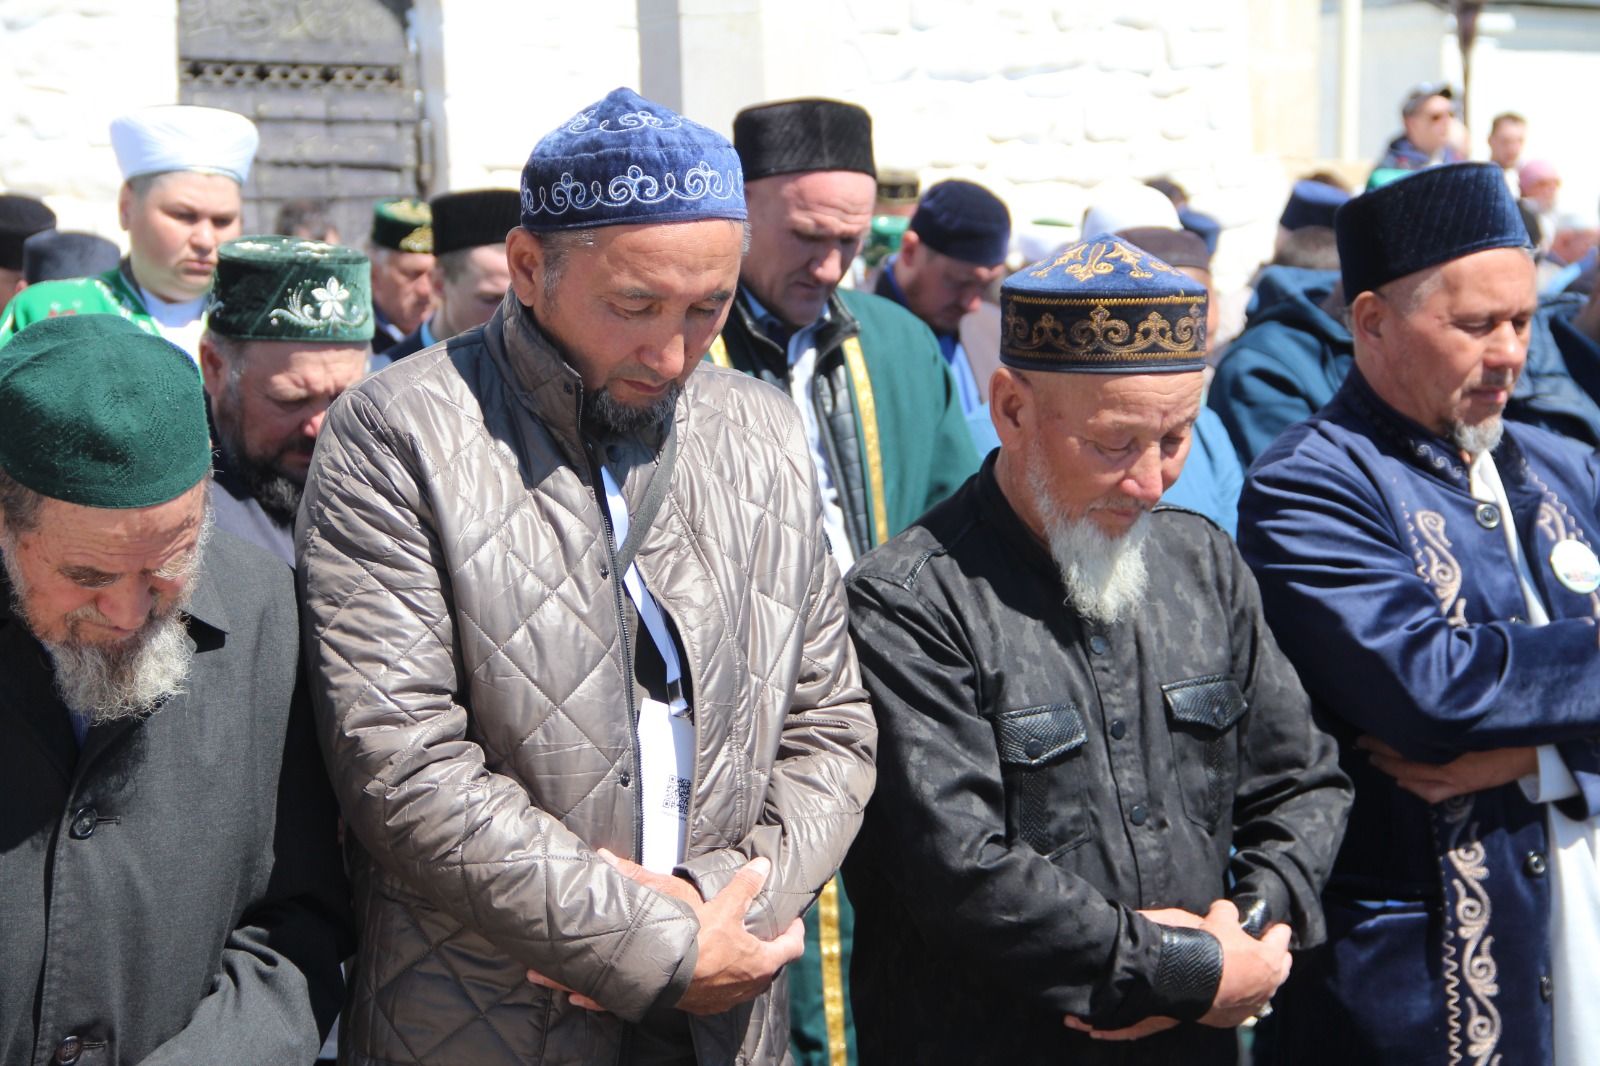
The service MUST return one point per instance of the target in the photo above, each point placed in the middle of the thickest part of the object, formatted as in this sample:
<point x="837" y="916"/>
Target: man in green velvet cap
<point x="290" y="328"/>
<point x="173" y="890"/>
<point x="401" y="246"/>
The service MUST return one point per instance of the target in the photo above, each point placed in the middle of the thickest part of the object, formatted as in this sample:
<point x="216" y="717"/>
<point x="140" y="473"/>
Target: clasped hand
<point x="731" y="966"/>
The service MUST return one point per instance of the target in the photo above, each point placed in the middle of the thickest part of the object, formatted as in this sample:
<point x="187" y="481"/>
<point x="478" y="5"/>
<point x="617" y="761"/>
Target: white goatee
<point x="1105" y="577"/>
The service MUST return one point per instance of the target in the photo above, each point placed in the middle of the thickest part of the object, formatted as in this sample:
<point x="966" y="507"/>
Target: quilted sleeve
<point x="824" y="771"/>
<point x="380" y="649"/>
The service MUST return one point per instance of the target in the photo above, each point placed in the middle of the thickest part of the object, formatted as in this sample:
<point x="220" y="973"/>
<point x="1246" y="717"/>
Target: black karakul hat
<point x="795" y="136"/>
<point x="1423" y="219"/>
<point x="474" y="218"/>
<point x="53" y="254"/>
<point x="20" y="218"/>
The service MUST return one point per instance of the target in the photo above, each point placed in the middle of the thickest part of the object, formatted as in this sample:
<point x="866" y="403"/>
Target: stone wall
<point x="69" y="69"/>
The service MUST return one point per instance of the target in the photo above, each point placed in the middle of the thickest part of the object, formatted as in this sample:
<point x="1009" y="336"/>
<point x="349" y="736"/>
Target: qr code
<point x="677" y="796"/>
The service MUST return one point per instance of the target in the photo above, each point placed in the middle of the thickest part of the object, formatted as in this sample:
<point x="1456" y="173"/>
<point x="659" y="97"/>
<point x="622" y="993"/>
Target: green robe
<point x="110" y="293"/>
<point x="923" y="453"/>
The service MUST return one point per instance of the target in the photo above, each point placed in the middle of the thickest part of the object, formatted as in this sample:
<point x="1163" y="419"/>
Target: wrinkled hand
<point x="1472" y="772"/>
<point x="1173" y="916"/>
<point x="734" y="967"/>
<point x="1252" y="969"/>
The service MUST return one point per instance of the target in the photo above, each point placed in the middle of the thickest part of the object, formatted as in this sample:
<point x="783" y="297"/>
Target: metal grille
<point x="333" y="90"/>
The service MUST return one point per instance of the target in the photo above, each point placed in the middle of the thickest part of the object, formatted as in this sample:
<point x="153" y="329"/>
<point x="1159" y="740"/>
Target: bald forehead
<point x="843" y="193"/>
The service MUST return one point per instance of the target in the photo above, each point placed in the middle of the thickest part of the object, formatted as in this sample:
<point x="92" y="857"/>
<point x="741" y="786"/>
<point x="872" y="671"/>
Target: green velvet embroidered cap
<point x="403" y="225"/>
<point x="101" y="414"/>
<point x="289" y="288"/>
<point x="1103" y="306"/>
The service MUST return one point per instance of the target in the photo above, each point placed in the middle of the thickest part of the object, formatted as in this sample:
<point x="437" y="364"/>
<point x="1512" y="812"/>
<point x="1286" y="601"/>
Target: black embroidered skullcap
<point x="965" y="221"/>
<point x="794" y="136"/>
<point x="1423" y="219"/>
<point x="20" y="218"/>
<point x="474" y="218"/>
<point x="1103" y="306"/>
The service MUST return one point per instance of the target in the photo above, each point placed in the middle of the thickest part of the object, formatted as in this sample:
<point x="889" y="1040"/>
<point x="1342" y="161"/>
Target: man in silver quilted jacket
<point x="578" y="646"/>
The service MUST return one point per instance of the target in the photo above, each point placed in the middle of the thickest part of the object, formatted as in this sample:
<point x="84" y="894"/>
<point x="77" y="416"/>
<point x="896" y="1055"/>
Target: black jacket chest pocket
<point x="1042" y="768"/>
<point x="1203" y="712"/>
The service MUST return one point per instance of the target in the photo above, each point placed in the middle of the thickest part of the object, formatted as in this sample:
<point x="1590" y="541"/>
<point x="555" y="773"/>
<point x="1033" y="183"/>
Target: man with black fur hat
<point x="20" y="218"/>
<point x="881" y="412"/>
<point x="1430" y="569"/>
<point x="470" y="276"/>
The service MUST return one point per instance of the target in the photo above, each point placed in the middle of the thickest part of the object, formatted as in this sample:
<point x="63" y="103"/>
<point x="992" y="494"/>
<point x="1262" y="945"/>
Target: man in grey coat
<point x="168" y="868"/>
<point x="578" y="646"/>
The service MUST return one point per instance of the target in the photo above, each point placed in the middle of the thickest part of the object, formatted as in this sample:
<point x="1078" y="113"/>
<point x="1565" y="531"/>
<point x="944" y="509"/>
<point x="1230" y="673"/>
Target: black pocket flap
<point x="1210" y="701"/>
<point x="1035" y="735"/>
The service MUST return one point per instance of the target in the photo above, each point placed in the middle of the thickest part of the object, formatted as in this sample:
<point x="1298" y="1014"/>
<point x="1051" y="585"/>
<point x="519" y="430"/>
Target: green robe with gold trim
<point x="910" y="453"/>
<point x="110" y="293"/>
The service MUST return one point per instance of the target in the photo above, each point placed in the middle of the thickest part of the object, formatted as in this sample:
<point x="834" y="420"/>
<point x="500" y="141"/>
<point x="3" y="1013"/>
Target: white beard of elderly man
<point x="162" y="796"/>
<point x="578" y="645"/>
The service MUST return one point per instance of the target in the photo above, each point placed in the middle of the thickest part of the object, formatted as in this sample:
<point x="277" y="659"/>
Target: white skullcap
<point x="1123" y="203"/>
<point x="154" y="140"/>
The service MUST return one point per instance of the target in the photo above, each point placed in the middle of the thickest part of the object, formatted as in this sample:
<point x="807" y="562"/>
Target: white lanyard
<point x="650" y="615"/>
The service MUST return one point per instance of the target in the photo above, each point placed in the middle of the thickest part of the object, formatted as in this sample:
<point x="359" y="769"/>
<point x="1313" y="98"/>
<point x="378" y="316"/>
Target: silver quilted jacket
<point x="463" y="640"/>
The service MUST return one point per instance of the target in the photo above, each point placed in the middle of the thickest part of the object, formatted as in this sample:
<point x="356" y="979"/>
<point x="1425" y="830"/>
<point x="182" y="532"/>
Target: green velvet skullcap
<point x="274" y="288"/>
<point x="403" y="225"/>
<point x="102" y="414"/>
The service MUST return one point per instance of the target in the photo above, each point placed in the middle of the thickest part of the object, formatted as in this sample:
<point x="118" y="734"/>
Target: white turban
<point x="154" y="140"/>
<point x="1123" y="203"/>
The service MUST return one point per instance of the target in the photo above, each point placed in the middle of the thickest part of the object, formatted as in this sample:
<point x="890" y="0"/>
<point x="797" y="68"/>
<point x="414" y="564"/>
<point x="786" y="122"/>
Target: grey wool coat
<point x="172" y="894"/>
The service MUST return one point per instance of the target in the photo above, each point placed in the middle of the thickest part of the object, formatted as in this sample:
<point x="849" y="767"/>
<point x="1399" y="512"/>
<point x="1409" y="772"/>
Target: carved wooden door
<point x="332" y="86"/>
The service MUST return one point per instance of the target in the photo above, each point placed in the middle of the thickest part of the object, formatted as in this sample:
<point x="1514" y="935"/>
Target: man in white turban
<point x="183" y="168"/>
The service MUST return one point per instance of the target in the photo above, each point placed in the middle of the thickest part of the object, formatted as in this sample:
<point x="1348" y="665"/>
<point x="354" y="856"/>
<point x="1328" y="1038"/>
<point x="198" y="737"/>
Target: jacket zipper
<point x="599" y="488"/>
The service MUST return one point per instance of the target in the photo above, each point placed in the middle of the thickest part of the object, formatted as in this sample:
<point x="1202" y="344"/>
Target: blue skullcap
<point x="1423" y="219"/>
<point x="965" y="221"/>
<point x="1311" y="203"/>
<point x="1103" y="306"/>
<point x="625" y="160"/>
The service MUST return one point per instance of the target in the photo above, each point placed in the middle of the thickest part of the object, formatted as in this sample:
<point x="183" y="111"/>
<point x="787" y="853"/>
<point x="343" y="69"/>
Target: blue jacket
<point x="1403" y="155"/>
<point x="1391" y="590"/>
<point x="1293" y="354"/>
<point x="1212" y="475"/>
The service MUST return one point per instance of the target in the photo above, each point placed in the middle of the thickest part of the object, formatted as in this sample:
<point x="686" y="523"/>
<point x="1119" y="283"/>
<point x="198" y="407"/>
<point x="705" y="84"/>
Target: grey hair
<point x="19" y="505"/>
<point x="231" y="349"/>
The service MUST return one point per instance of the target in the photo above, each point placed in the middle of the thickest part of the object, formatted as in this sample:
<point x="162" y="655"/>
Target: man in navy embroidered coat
<point x="1431" y="573"/>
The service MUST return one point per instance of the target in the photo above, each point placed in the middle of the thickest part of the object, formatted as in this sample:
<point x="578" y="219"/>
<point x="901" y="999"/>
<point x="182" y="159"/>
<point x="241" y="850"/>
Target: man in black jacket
<point x="1103" y="812"/>
<point x="172" y="887"/>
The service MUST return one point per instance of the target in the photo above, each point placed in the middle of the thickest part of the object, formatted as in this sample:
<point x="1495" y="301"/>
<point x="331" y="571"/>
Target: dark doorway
<point x="332" y="86"/>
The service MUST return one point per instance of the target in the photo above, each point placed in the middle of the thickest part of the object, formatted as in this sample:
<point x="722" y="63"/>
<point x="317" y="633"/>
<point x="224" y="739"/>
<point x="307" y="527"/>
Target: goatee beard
<point x="613" y="418"/>
<point x="1105" y="577"/>
<point x="1479" y="437"/>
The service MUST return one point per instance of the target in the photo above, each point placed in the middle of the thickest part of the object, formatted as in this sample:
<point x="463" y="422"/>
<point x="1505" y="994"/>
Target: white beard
<point x="1104" y="576"/>
<point x="105" y="682"/>
<point x="1478" y="438"/>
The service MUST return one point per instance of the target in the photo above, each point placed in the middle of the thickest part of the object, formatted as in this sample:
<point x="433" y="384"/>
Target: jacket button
<point x="1098" y="644"/>
<point x="82" y="827"/>
<point x="1138" y="815"/>
<point x="1033" y="748"/>
<point x="1534" y="864"/>
<point x="1488" y="515"/>
<point x="69" y="1050"/>
<point x="1547" y="988"/>
<point x="1118" y="730"/>
<point x="624" y="778"/>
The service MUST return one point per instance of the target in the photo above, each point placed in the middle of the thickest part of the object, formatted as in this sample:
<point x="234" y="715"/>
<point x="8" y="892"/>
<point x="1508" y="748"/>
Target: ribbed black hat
<point x="794" y="136"/>
<point x="473" y="218"/>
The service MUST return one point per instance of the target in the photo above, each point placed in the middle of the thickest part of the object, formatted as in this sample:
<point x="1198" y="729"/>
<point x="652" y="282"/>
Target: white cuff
<point x="1553" y="781"/>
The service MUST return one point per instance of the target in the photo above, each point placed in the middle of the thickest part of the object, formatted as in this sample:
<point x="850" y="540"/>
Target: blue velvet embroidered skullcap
<point x="1311" y="203"/>
<point x="1103" y="306"/>
<point x="964" y="221"/>
<point x="624" y="160"/>
<point x="1421" y="220"/>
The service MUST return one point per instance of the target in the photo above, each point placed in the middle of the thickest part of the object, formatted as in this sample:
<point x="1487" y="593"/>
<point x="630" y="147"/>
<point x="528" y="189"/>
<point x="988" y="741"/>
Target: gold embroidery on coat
<point x="1470" y="928"/>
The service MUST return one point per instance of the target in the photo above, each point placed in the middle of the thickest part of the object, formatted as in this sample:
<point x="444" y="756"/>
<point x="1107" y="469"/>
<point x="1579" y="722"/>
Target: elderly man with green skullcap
<point x="1103" y="811"/>
<point x="172" y="885"/>
<point x="290" y="328"/>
